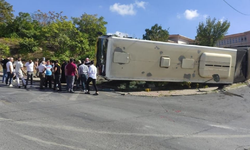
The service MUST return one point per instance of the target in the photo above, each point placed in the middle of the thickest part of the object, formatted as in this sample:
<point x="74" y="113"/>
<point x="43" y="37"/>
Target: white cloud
<point x="140" y="4"/>
<point x="123" y="9"/>
<point x="120" y="34"/>
<point x="100" y="6"/>
<point x="190" y="14"/>
<point x="128" y="9"/>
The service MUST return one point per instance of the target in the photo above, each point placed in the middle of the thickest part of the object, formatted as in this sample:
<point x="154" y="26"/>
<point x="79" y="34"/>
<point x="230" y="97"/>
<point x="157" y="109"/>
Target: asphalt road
<point x="44" y="120"/>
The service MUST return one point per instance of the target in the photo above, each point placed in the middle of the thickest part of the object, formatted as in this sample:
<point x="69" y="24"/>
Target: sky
<point x="132" y="17"/>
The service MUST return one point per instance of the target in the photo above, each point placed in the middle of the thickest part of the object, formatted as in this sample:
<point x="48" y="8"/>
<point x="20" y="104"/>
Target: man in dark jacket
<point x="63" y="78"/>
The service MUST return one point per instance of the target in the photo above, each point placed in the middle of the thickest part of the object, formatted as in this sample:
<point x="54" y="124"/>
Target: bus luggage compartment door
<point x="214" y="63"/>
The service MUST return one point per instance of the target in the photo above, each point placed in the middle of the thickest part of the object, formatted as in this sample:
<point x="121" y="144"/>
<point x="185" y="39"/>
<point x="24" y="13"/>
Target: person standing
<point x="48" y="75"/>
<point x="30" y="69"/>
<point x="4" y="62"/>
<point x="78" y="80"/>
<point x="57" y="73"/>
<point x="92" y="77"/>
<point x="10" y="72"/>
<point x="66" y="77"/>
<point x="36" y="67"/>
<point x="19" y="72"/>
<point x="87" y="62"/>
<point x="71" y="70"/>
<point x="41" y="69"/>
<point x="83" y="75"/>
<point x="63" y="78"/>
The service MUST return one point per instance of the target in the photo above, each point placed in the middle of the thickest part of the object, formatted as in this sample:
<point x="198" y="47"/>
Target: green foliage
<point x="63" y="38"/>
<point x="186" y="84"/>
<point x="210" y="32"/>
<point x="156" y="33"/>
<point x="48" y="18"/>
<point x="22" y="27"/>
<point x="6" y="12"/>
<point x="28" y="45"/>
<point x="92" y="26"/>
<point x="57" y="37"/>
<point x="4" y="50"/>
<point x="61" y="57"/>
<point x="2" y="29"/>
<point x="12" y="41"/>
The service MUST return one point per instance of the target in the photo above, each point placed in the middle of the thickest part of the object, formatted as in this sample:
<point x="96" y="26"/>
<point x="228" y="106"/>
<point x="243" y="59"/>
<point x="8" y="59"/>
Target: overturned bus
<point x="143" y="60"/>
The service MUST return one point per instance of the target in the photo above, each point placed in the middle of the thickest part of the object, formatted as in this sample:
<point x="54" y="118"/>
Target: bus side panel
<point x="145" y="61"/>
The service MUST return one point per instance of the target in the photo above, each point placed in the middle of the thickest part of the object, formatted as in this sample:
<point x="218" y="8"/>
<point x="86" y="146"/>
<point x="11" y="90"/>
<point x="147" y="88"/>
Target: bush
<point x="28" y="45"/>
<point x="4" y="49"/>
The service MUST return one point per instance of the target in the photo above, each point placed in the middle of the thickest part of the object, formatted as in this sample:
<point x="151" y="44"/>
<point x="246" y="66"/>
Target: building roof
<point x="237" y="34"/>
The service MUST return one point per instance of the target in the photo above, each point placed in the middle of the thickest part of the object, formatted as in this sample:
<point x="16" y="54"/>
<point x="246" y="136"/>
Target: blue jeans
<point x="83" y="79"/>
<point x="4" y="75"/>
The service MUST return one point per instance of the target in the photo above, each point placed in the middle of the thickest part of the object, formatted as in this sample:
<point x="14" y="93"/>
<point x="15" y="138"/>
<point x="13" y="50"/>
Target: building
<point x="176" y="38"/>
<point x="235" y="40"/>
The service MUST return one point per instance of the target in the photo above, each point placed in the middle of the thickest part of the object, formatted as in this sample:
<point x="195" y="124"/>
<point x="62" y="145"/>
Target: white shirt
<point x="18" y="65"/>
<point x="41" y="68"/>
<point x="9" y="66"/>
<point x="83" y="69"/>
<point x="92" y="72"/>
<point x="30" y="66"/>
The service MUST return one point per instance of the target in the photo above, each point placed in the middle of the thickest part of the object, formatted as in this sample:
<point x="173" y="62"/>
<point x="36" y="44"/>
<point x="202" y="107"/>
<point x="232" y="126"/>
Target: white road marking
<point x="4" y="119"/>
<point x="231" y="128"/>
<point x="222" y="126"/>
<point x="48" y="142"/>
<point x="74" y="129"/>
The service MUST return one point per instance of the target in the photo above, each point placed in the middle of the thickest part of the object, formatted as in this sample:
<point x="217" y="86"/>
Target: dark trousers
<point x="29" y="77"/>
<point x="48" y="79"/>
<point x="57" y="81"/>
<point x="83" y="79"/>
<point x="9" y="76"/>
<point x="94" y="83"/>
<point x="42" y="79"/>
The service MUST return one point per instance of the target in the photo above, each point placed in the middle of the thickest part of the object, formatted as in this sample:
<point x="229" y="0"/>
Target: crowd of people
<point x="80" y="73"/>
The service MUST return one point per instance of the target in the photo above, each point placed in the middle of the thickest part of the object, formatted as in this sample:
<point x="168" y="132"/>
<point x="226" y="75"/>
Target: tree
<point x="210" y="32"/>
<point x="156" y="33"/>
<point x="64" y="39"/>
<point x="6" y="12"/>
<point x="21" y="25"/>
<point x="92" y="26"/>
<point x="48" y="18"/>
